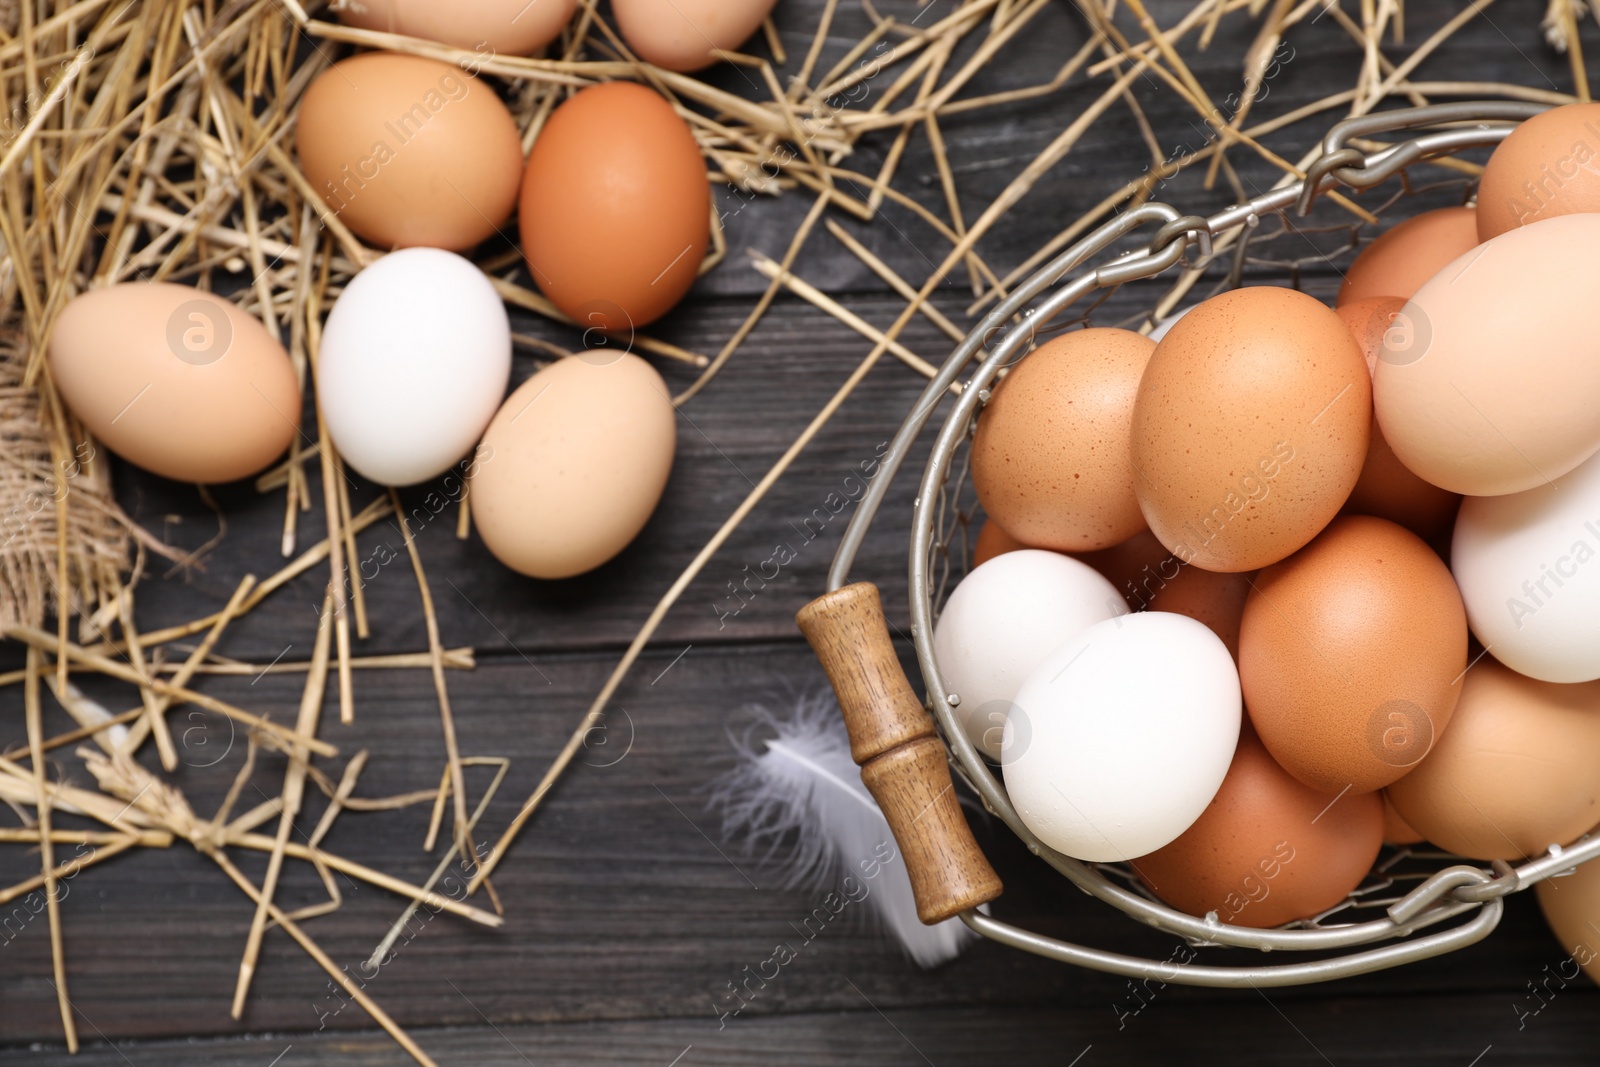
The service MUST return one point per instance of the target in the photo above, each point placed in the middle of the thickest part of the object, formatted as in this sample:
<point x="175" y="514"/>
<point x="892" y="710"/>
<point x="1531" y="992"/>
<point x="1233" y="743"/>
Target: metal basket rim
<point x="1449" y="893"/>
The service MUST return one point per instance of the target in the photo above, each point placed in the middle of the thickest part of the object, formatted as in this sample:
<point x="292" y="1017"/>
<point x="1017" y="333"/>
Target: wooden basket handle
<point x="902" y="760"/>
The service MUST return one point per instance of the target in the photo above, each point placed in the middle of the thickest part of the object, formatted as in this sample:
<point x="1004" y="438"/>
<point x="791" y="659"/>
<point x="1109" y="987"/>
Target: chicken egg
<point x="1517" y="772"/>
<point x="1351" y="655"/>
<point x="992" y="541"/>
<point x="1529" y="569"/>
<point x="1106" y="758"/>
<point x="1002" y="620"/>
<point x="573" y="464"/>
<point x="414" y="362"/>
<point x="686" y="35"/>
<point x="1050" y="458"/>
<point x="1148" y="576"/>
<point x="1396" y="831"/>
<point x="615" y="208"/>
<point x="1571" y="905"/>
<point x="1267" y="850"/>
<point x="504" y="27"/>
<point x="1132" y="566"/>
<point x="1164" y="327"/>
<point x="1487" y="378"/>
<point x="175" y="380"/>
<point x="1547" y="167"/>
<point x="1387" y="488"/>
<point x="409" y="151"/>
<point x="1211" y="597"/>
<point x="1249" y="428"/>
<point x="1409" y="254"/>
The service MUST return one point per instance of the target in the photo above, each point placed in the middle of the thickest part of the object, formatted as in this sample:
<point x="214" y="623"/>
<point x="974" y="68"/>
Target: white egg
<point x="1121" y="737"/>
<point x="1002" y="620"/>
<point x="414" y="362"/>
<point x="1528" y="565"/>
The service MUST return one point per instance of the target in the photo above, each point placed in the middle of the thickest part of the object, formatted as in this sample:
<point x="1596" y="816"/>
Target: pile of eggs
<point x="1282" y="582"/>
<point x="421" y="158"/>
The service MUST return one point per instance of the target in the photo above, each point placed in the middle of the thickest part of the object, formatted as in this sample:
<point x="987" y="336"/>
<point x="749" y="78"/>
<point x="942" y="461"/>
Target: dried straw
<point x="149" y="141"/>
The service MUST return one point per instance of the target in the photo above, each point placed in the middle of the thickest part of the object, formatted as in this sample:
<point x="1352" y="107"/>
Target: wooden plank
<point x="1175" y="1026"/>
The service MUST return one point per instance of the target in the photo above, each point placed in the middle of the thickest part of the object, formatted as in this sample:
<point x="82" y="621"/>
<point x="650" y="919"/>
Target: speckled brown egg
<point x="1267" y="850"/>
<point x="1548" y="166"/>
<point x="1387" y="488"/>
<point x="1250" y="428"/>
<point x="1517" y="772"/>
<point x="993" y="541"/>
<point x="1050" y="458"/>
<point x="1351" y="655"/>
<point x="1408" y="254"/>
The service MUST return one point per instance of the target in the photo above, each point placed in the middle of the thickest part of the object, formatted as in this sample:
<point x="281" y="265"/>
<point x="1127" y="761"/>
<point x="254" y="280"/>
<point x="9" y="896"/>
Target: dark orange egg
<point x="1267" y="850"/>
<point x="615" y="211"/>
<point x="1351" y="655"/>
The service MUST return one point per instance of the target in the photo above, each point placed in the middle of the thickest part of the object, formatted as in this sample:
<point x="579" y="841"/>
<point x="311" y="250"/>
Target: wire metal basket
<point x="1415" y="904"/>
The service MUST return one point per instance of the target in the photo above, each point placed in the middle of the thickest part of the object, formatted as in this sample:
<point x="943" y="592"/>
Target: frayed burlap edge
<point x="50" y="469"/>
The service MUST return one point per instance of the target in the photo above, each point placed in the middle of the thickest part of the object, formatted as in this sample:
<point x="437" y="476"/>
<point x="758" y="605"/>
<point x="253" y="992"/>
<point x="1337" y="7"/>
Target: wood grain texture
<point x="631" y="922"/>
<point x="1171" y="1027"/>
<point x="847" y="631"/>
<point x="902" y="760"/>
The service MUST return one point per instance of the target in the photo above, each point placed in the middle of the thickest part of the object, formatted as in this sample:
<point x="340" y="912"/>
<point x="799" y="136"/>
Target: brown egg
<point x="993" y="541"/>
<point x="1396" y="831"/>
<point x="489" y="27"/>
<point x="1206" y="596"/>
<point x="1351" y="654"/>
<point x="1250" y="428"/>
<point x="1267" y="850"/>
<point x="615" y="211"/>
<point x="409" y="151"/>
<point x="1407" y="255"/>
<point x="175" y="380"/>
<point x="1571" y="906"/>
<point x="687" y="35"/>
<point x="1517" y="772"/>
<point x="1134" y="566"/>
<point x="1050" y="457"/>
<point x="573" y="464"/>
<point x="1387" y="488"/>
<point x="1150" y="577"/>
<point x="1546" y="167"/>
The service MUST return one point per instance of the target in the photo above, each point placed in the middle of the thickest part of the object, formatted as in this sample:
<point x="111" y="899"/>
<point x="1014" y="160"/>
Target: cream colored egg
<point x="573" y="464"/>
<point x="686" y="35"/>
<point x="488" y="27"/>
<point x="176" y="380"/>
<point x="1487" y="380"/>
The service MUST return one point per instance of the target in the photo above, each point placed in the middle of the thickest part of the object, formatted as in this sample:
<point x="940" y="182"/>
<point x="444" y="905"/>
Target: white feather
<point x="801" y="784"/>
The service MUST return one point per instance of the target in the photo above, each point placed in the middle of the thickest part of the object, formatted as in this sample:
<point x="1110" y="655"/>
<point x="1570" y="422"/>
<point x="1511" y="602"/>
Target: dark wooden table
<point x="627" y="914"/>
